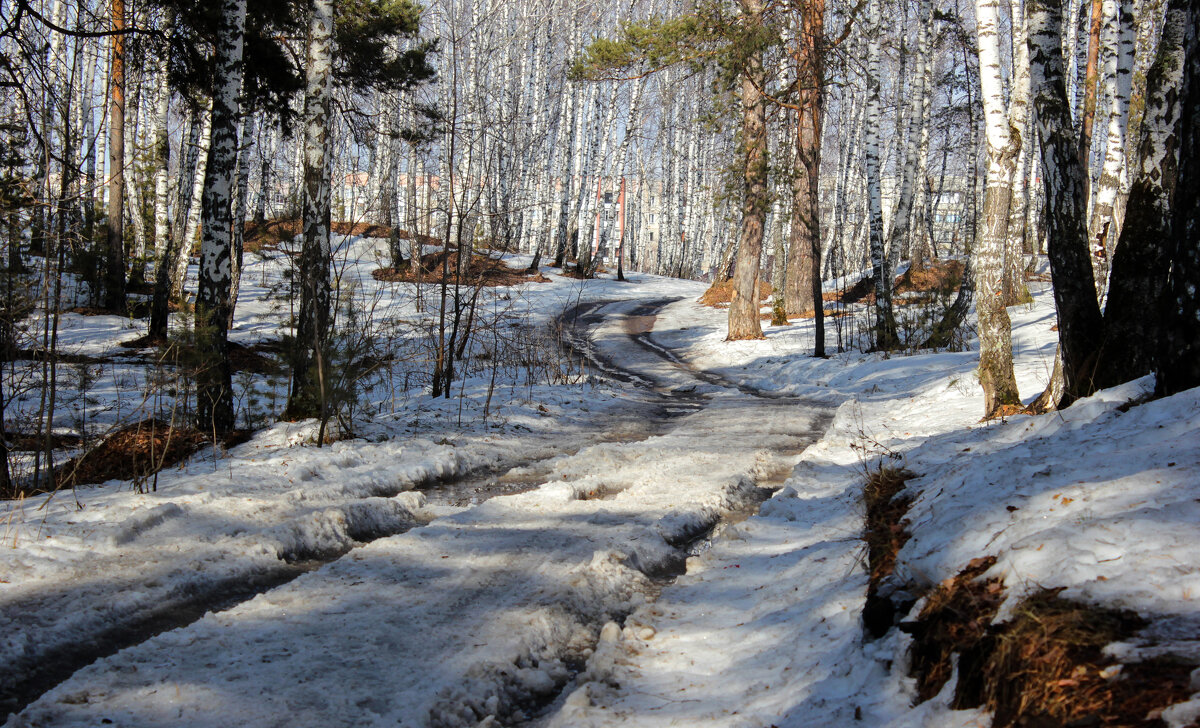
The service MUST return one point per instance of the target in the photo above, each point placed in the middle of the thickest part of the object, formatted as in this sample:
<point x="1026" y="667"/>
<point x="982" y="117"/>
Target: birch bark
<point x="1179" y="358"/>
<point x="1063" y="174"/>
<point x="1142" y="258"/>
<point x="308" y="375"/>
<point x="214" y="391"/>
<point x="1118" y="47"/>
<point x="885" y="322"/>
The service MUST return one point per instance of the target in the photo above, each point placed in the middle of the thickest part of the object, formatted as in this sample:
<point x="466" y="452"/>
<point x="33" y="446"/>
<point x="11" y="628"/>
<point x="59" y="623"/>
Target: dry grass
<point x="885" y="536"/>
<point x="720" y="293"/>
<point x="1048" y="668"/>
<point x="483" y="269"/>
<point x="135" y="451"/>
<point x="938" y="277"/>
<point x="271" y="233"/>
<point x="955" y="619"/>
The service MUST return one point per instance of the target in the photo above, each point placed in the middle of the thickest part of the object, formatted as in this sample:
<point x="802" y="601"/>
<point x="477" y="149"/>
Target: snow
<point x="556" y="604"/>
<point x="764" y="629"/>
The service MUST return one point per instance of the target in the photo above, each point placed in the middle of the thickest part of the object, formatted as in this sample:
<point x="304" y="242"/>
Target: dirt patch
<point x="863" y="290"/>
<point x="268" y="235"/>
<point x="1009" y="410"/>
<point x="885" y="536"/>
<point x="829" y="313"/>
<point x="720" y="293"/>
<point x="60" y="357"/>
<point x="272" y="233"/>
<point x="955" y="620"/>
<point x="136" y="451"/>
<point x="30" y="442"/>
<point x="264" y="357"/>
<point x="260" y="358"/>
<point x="483" y="269"/>
<point x="938" y="277"/>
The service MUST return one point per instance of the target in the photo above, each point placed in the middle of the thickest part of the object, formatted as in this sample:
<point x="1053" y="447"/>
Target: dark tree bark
<point x="802" y="288"/>
<point x="1179" y="362"/>
<point x="114" y="288"/>
<point x="1079" y="322"/>
<point x="1142" y="261"/>
<point x="744" y="308"/>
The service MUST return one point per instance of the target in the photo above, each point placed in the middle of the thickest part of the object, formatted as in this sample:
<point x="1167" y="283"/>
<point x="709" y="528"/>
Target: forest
<point x="319" y="318"/>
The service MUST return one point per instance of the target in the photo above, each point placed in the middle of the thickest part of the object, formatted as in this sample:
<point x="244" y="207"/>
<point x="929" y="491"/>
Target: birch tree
<point x="214" y="391"/>
<point x="1003" y="145"/>
<point x="1141" y="262"/>
<point x="885" y="320"/>
<point x="1179" y="360"/>
<point x="1063" y="174"/>
<point x="1118" y="49"/>
<point x="308" y="397"/>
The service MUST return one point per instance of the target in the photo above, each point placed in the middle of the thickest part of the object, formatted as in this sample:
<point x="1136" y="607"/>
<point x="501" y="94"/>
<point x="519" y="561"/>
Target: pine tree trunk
<point x="114" y="289"/>
<point x="1079" y="322"/>
<point x="214" y="391"/>
<point x="743" y="309"/>
<point x="309" y="397"/>
<point x="803" y="281"/>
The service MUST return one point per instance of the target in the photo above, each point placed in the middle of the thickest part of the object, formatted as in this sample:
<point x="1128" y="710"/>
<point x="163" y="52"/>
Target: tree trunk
<point x="191" y="225"/>
<point x="1118" y="47"/>
<point x="241" y="192"/>
<point x="1091" y="81"/>
<point x="802" y="289"/>
<point x="743" y="309"/>
<point x="114" y="289"/>
<point x="308" y="377"/>
<point x="1142" y="259"/>
<point x="885" y="321"/>
<point x="214" y="391"/>
<point x="995" y="330"/>
<point x="1079" y="323"/>
<point x="162" y="159"/>
<point x="1013" y="283"/>
<point x="1179" y="360"/>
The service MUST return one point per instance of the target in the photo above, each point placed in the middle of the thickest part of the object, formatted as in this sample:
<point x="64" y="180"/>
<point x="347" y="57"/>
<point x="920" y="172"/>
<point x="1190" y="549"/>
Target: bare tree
<point x="214" y="391"/>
